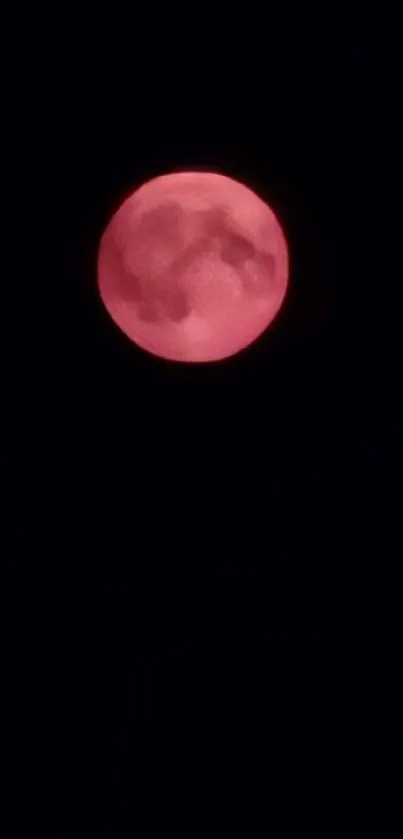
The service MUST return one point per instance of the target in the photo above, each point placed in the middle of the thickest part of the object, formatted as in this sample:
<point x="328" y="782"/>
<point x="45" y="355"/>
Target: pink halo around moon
<point x="193" y="266"/>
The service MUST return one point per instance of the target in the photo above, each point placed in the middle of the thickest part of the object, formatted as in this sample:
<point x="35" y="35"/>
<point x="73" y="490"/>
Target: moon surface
<point x="193" y="266"/>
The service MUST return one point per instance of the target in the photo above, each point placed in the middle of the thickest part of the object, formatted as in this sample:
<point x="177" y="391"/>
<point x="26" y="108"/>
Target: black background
<point x="201" y="561"/>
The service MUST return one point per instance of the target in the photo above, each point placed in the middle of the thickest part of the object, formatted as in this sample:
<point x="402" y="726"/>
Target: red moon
<point x="193" y="266"/>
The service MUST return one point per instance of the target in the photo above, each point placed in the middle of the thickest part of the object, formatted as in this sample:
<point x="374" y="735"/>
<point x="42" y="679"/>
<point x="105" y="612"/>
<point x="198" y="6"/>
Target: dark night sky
<point x="201" y="561"/>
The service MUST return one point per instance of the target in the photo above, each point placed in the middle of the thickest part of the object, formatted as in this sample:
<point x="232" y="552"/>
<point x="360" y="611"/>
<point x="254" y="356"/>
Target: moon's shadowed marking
<point x="268" y="264"/>
<point x="161" y="223"/>
<point x="164" y="304"/>
<point x="249" y="282"/>
<point x="259" y="281"/>
<point x="172" y="303"/>
<point x="148" y="313"/>
<point x="235" y="249"/>
<point x="130" y="285"/>
<point x="177" y="305"/>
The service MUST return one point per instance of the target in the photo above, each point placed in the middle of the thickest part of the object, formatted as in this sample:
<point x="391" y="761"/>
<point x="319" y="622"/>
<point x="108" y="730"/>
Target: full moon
<point x="193" y="266"/>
